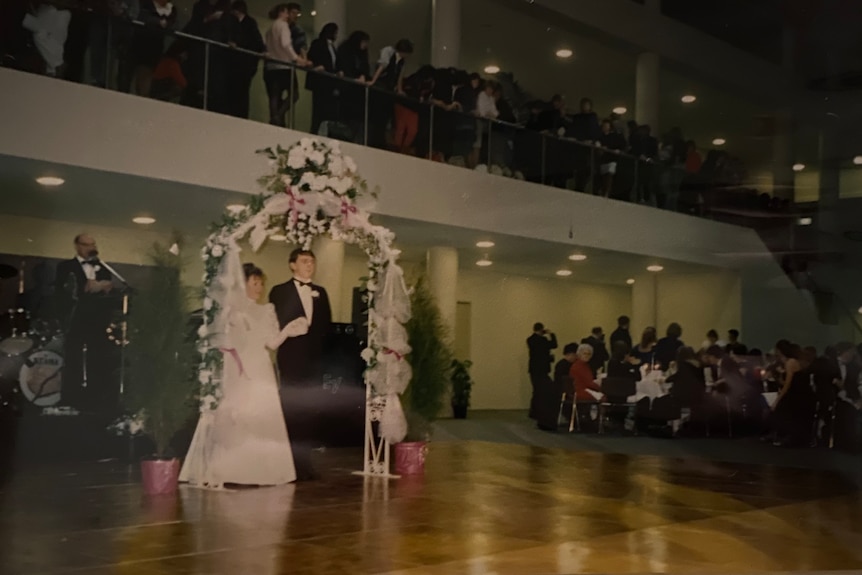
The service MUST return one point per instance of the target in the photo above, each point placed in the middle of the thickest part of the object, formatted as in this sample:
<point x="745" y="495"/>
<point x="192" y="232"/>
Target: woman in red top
<point x="582" y="375"/>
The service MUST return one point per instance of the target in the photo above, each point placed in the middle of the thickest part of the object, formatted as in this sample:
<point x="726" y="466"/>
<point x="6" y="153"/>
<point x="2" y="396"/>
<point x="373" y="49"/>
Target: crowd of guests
<point x="442" y="114"/>
<point x="791" y="395"/>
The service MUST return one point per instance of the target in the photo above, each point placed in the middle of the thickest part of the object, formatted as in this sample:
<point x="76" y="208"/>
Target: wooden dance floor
<point x="481" y="509"/>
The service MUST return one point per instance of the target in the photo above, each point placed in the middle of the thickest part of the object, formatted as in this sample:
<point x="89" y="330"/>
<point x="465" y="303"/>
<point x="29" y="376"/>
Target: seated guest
<point x="711" y="340"/>
<point x="734" y="346"/>
<point x="666" y="348"/>
<point x="645" y="350"/>
<point x="622" y="364"/>
<point x="689" y="384"/>
<point x="600" y="352"/>
<point x="582" y="375"/>
<point x="548" y="409"/>
<point x="562" y="371"/>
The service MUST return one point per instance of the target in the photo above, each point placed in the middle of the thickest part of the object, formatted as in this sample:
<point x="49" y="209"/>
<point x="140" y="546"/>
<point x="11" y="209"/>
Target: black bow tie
<point x="302" y="283"/>
<point x="89" y="263"/>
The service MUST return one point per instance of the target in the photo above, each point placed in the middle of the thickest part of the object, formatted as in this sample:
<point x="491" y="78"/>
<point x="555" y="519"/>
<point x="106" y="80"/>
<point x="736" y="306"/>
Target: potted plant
<point x="462" y="385"/>
<point x="431" y="360"/>
<point x="161" y="355"/>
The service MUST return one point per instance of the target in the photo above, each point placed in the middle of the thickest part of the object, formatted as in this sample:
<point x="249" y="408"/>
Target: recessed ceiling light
<point x="564" y="53"/>
<point x="484" y="244"/>
<point x="50" y="181"/>
<point x="564" y="273"/>
<point x="278" y="237"/>
<point x="688" y="99"/>
<point x="719" y="142"/>
<point x="654" y="268"/>
<point x="492" y="69"/>
<point x="484" y="263"/>
<point x="630" y="281"/>
<point x="234" y="208"/>
<point x="859" y="310"/>
<point x="805" y="221"/>
<point x="620" y="110"/>
<point x="577" y="257"/>
<point x="144" y="220"/>
<point x="798" y="167"/>
<point x="314" y="12"/>
<point x="858" y="160"/>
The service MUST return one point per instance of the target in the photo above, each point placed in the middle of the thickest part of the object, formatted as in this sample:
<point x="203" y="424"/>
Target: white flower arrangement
<point x="311" y="191"/>
<point x="131" y="425"/>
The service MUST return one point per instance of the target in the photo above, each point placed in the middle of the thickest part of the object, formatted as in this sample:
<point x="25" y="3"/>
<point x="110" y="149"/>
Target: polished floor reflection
<point x="481" y="509"/>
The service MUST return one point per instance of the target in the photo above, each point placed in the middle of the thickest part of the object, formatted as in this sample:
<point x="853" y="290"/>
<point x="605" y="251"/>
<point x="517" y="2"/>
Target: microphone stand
<point x="124" y="324"/>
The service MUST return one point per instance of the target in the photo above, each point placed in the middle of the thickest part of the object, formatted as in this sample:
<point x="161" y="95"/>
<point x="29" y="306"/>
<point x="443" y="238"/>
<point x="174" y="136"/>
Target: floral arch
<point x="313" y="190"/>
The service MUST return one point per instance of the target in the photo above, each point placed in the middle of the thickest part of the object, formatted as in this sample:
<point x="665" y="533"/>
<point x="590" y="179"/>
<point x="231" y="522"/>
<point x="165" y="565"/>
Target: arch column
<point x="647" y="91"/>
<point x="331" y="11"/>
<point x="330" y="265"/>
<point x="445" y="33"/>
<point x="442" y="269"/>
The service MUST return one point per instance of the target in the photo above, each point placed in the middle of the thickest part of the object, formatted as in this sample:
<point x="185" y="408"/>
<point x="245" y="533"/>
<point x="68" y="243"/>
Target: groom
<point x="300" y="358"/>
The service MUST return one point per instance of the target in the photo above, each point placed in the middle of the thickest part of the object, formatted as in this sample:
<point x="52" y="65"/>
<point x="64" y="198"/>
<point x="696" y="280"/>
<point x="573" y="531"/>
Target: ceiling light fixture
<point x="314" y="12"/>
<point x="50" y="181"/>
<point x="620" y="110"/>
<point x="654" y="268"/>
<point x="564" y="273"/>
<point x="689" y="99"/>
<point x="484" y="244"/>
<point x="492" y="69"/>
<point x="484" y="262"/>
<point x="144" y="220"/>
<point x="564" y="53"/>
<point x="577" y="257"/>
<point x="798" y="167"/>
<point x="857" y="160"/>
<point x="805" y="221"/>
<point x="630" y="281"/>
<point x="719" y="142"/>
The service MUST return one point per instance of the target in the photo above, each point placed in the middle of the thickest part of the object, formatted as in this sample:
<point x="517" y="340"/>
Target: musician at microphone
<point x="84" y="290"/>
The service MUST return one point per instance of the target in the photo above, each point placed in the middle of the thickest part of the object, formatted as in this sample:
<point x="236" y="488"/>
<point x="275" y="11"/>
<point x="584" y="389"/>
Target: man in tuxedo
<point x="82" y="287"/>
<point x="540" y="345"/>
<point x="305" y="306"/>
<point x="622" y="332"/>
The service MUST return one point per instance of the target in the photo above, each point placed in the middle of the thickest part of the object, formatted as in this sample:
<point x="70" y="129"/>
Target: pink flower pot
<point x="160" y="476"/>
<point x="410" y="458"/>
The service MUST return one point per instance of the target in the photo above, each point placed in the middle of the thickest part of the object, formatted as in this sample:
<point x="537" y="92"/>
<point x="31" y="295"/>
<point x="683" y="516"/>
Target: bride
<point x="244" y="441"/>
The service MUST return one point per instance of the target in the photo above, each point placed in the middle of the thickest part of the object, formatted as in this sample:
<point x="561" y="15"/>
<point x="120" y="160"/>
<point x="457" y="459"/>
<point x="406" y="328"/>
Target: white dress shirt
<point x="306" y="298"/>
<point x="89" y="268"/>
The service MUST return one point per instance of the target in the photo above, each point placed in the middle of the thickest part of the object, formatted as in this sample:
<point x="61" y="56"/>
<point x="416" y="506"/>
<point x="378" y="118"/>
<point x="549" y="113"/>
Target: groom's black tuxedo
<point x="300" y="358"/>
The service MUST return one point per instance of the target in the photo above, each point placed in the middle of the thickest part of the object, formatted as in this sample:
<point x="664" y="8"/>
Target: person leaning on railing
<point x="279" y="75"/>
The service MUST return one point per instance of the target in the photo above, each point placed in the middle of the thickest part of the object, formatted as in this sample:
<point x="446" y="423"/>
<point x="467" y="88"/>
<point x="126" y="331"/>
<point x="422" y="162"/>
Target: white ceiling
<point x="92" y="197"/>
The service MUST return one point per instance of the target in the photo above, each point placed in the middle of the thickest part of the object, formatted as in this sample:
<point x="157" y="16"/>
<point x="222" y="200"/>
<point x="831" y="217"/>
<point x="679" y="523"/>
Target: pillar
<point x="330" y="264"/>
<point x="783" y="155"/>
<point x="647" y="91"/>
<point x="445" y="33"/>
<point x="331" y="11"/>
<point x="644" y="304"/>
<point x="442" y="269"/>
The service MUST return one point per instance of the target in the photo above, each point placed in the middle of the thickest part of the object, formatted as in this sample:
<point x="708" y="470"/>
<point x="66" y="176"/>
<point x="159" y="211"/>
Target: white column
<point x="644" y="304"/>
<point x="331" y="11"/>
<point x="647" y="91"/>
<point x="330" y="263"/>
<point x="442" y="269"/>
<point x="445" y="33"/>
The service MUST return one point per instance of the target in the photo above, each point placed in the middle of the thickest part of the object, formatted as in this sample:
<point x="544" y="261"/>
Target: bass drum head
<point x="40" y="378"/>
<point x="15" y="345"/>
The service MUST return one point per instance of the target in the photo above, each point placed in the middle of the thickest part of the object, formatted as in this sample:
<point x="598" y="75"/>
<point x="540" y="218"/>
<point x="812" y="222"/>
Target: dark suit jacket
<point x="540" y="353"/>
<point x="78" y="310"/>
<point x="320" y="55"/>
<point x="300" y="359"/>
<point x="623" y="335"/>
<point x="246" y="35"/>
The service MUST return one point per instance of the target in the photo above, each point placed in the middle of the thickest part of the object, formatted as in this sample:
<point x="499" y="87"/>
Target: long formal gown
<point x="245" y="440"/>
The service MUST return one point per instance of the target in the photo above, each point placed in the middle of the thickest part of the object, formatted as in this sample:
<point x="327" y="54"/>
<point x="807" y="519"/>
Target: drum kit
<point x="31" y="353"/>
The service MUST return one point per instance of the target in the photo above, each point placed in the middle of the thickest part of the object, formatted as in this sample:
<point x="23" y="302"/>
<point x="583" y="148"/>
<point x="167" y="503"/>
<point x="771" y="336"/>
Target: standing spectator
<point x="613" y="143"/>
<point x="417" y="88"/>
<point x="388" y="77"/>
<point x="666" y="348"/>
<point x="324" y="89"/>
<point x="672" y="168"/>
<point x="77" y="39"/>
<point x="49" y="27"/>
<point x="540" y="345"/>
<point x="209" y="20"/>
<point x="554" y="123"/>
<point x="169" y="82"/>
<point x="735" y="346"/>
<point x="585" y="128"/>
<point x="645" y="147"/>
<point x="486" y="109"/>
<point x="110" y="32"/>
<point x="297" y="33"/>
<point x="242" y="68"/>
<point x="352" y="58"/>
<point x="622" y="332"/>
<point x="148" y="42"/>
<point x="596" y="340"/>
<point x="466" y="92"/>
<point x="279" y="74"/>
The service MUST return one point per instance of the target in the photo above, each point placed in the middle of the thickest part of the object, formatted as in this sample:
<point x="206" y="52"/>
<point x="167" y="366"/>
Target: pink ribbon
<point x="232" y="352"/>
<point x="388" y="351"/>
<point x="294" y="200"/>
<point x="346" y="210"/>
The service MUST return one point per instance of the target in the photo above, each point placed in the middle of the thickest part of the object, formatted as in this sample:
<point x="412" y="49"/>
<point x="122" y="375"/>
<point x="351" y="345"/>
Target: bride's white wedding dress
<point x="244" y="440"/>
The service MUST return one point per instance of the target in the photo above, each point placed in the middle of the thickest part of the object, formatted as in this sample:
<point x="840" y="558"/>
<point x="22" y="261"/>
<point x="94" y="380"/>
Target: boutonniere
<point x="315" y="293"/>
<point x="96" y="268"/>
